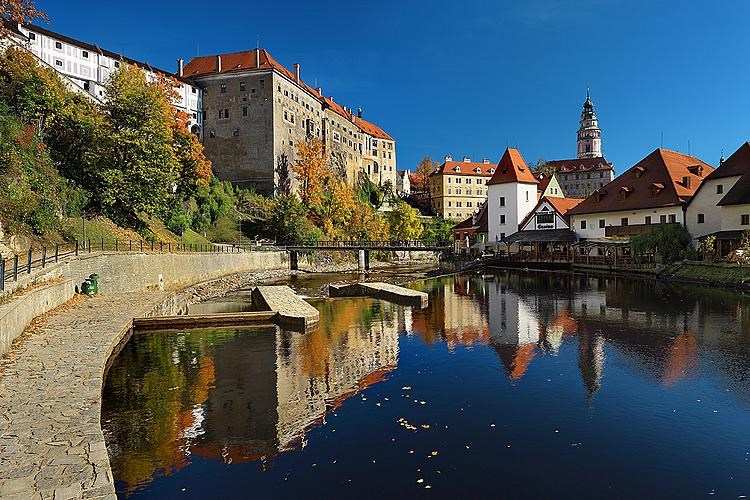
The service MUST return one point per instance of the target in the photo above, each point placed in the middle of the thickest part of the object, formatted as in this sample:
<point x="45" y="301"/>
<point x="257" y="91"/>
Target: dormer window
<point x="598" y="195"/>
<point x="456" y="169"/>
<point x="655" y="189"/>
<point x="625" y="192"/>
<point x="686" y="181"/>
<point x="492" y="171"/>
<point x="639" y="170"/>
<point x="696" y="170"/>
<point x="477" y="170"/>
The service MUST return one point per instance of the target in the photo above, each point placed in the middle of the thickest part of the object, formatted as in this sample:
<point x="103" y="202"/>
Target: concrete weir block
<point x="386" y="291"/>
<point x="293" y="311"/>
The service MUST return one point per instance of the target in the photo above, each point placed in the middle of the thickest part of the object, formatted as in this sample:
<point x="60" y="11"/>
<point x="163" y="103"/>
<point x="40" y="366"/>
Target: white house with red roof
<point x="511" y="195"/>
<point x="721" y="206"/>
<point x="656" y="190"/>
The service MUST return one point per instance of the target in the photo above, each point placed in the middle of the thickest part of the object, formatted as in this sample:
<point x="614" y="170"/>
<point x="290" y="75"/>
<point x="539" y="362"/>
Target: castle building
<point x="590" y="171"/>
<point x="90" y="67"/>
<point x="458" y="188"/>
<point x="256" y="112"/>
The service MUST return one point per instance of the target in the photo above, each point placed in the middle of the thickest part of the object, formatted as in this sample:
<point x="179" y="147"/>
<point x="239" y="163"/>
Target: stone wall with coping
<point x="122" y="273"/>
<point x="16" y="314"/>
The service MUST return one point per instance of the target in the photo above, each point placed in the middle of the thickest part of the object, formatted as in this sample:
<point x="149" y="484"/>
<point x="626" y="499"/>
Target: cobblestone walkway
<point x="51" y="441"/>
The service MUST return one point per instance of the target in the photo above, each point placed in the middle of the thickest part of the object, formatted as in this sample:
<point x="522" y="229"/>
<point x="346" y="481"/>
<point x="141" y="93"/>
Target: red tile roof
<point x="466" y="168"/>
<point x="512" y="168"/>
<point x="637" y="188"/>
<point x="580" y="165"/>
<point x="563" y="205"/>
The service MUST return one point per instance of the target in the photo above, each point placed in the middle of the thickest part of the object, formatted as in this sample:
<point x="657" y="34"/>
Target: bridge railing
<point x="375" y="244"/>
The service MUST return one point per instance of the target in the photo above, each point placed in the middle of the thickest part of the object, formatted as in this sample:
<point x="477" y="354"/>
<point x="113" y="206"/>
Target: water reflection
<point x="245" y="396"/>
<point x="239" y="395"/>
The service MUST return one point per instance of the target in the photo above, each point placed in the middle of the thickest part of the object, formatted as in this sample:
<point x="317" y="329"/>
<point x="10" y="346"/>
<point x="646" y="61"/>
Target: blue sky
<point x="470" y="77"/>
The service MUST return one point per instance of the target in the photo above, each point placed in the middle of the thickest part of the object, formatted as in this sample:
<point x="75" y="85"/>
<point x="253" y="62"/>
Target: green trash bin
<point x="86" y="288"/>
<point x="94" y="278"/>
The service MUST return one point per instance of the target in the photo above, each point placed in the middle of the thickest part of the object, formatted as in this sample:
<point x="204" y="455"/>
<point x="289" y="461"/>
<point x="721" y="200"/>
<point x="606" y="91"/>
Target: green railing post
<point x="2" y="273"/>
<point x="28" y="262"/>
<point x="15" y="267"/>
<point x="44" y="257"/>
<point x="57" y="252"/>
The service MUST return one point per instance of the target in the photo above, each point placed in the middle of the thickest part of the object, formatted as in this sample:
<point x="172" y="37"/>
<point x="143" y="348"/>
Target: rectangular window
<point x="601" y="223"/>
<point x="701" y="218"/>
<point x="58" y="45"/>
<point x="85" y="54"/>
<point x="624" y="221"/>
<point x="221" y="114"/>
<point x="117" y="64"/>
<point x="242" y="86"/>
<point x="719" y="188"/>
<point x="502" y="219"/>
<point x="527" y="196"/>
<point x="32" y="36"/>
<point x="502" y="201"/>
<point x="502" y="236"/>
<point x="244" y="110"/>
<point x="545" y="218"/>
<point x="648" y="219"/>
<point x="583" y="224"/>
<point x="745" y="220"/>
<point x="262" y="83"/>
<point x="58" y="62"/>
<point x="672" y="218"/>
<point x="223" y="88"/>
<point x="662" y="219"/>
<point x="236" y="132"/>
<point x="226" y="113"/>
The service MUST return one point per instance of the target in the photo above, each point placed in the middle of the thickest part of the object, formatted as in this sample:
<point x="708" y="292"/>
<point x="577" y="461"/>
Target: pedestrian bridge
<point x="363" y="248"/>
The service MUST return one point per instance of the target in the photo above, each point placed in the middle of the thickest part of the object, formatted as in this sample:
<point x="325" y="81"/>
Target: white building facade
<point x="511" y="195"/>
<point x="91" y="67"/>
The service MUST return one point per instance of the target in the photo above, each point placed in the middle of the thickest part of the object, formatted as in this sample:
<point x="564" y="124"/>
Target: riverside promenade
<point x="51" y="441"/>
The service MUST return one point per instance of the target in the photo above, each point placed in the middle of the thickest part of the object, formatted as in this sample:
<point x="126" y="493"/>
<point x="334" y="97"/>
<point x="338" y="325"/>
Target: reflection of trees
<point x="238" y="395"/>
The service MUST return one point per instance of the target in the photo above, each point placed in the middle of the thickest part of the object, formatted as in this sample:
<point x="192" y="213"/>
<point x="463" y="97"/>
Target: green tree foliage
<point x="669" y="241"/>
<point x="289" y="219"/>
<point x="404" y="223"/>
<point x="543" y="167"/>
<point x="438" y="229"/>
<point x="134" y="155"/>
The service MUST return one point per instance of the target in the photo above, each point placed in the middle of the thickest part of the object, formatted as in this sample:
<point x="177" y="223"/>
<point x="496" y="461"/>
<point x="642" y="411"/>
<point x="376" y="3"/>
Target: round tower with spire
<point x="589" y="134"/>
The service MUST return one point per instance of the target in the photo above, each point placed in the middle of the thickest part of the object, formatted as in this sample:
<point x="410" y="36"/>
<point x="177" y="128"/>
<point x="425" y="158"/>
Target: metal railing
<point x="37" y="259"/>
<point x="376" y="244"/>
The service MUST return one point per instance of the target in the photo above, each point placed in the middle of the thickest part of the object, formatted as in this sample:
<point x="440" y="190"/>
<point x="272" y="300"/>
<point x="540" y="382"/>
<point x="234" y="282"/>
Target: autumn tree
<point x="404" y="223"/>
<point x="422" y="173"/>
<point x="18" y="12"/>
<point x="366" y="224"/>
<point x="543" y="167"/>
<point x="311" y="170"/>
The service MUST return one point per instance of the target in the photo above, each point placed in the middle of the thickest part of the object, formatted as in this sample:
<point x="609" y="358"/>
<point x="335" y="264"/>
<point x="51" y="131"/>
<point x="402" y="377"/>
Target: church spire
<point x="589" y="133"/>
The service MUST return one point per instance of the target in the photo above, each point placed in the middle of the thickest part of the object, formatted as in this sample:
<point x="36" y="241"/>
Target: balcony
<point x="634" y="229"/>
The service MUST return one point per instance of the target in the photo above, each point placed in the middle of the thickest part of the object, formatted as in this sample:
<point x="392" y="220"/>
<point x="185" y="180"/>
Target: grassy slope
<point x="224" y="231"/>
<point x="730" y="274"/>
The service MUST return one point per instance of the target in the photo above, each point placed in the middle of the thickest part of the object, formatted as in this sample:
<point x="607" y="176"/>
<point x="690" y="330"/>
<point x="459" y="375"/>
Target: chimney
<point x="257" y="58"/>
<point x="296" y="72"/>
<point x="319" y="90"/>
<point x="180" y="67"/>
<point x="218" y="64"/>
<point x="485" y="161"/>
<point x="359" y="112"/>
<point x="448" y="158"/>
<point x="467" y="159"/>
<point x="330" y="98"/>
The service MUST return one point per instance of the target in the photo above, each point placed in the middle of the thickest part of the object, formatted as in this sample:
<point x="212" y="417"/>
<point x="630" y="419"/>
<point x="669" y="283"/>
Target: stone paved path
<point x="51" y="441"/>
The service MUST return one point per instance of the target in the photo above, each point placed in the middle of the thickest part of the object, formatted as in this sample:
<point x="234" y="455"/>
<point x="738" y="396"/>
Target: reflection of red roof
<point x="516" y="358"/>
<point x="565" y="321"/>
<point x="634" y="189"/>
<point x="683" y="358"/>
<point x="512" y="168"/>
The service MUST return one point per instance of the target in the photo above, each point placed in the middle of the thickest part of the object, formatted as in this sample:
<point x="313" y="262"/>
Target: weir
<point x="386" y="291"/>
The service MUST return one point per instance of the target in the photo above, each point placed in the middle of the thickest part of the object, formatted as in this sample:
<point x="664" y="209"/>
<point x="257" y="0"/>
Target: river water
<point x="510" y="384"/>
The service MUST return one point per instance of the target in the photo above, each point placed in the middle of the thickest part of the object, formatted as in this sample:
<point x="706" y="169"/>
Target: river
<point x="510" y="384"/>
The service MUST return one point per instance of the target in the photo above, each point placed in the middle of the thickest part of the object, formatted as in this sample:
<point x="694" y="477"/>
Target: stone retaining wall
<point x="16" y="315"/>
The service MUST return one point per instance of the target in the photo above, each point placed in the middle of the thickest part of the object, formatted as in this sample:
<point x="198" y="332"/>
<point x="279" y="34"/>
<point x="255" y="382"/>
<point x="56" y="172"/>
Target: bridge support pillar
<point x="293" y="260"/>
<point x="364" y="260"/>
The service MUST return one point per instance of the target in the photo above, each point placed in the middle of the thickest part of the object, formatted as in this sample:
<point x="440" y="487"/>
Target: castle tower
<point x="589" y="135"/>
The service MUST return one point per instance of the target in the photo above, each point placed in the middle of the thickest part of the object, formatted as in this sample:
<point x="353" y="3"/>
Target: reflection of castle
<point x="270" y="388"/>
